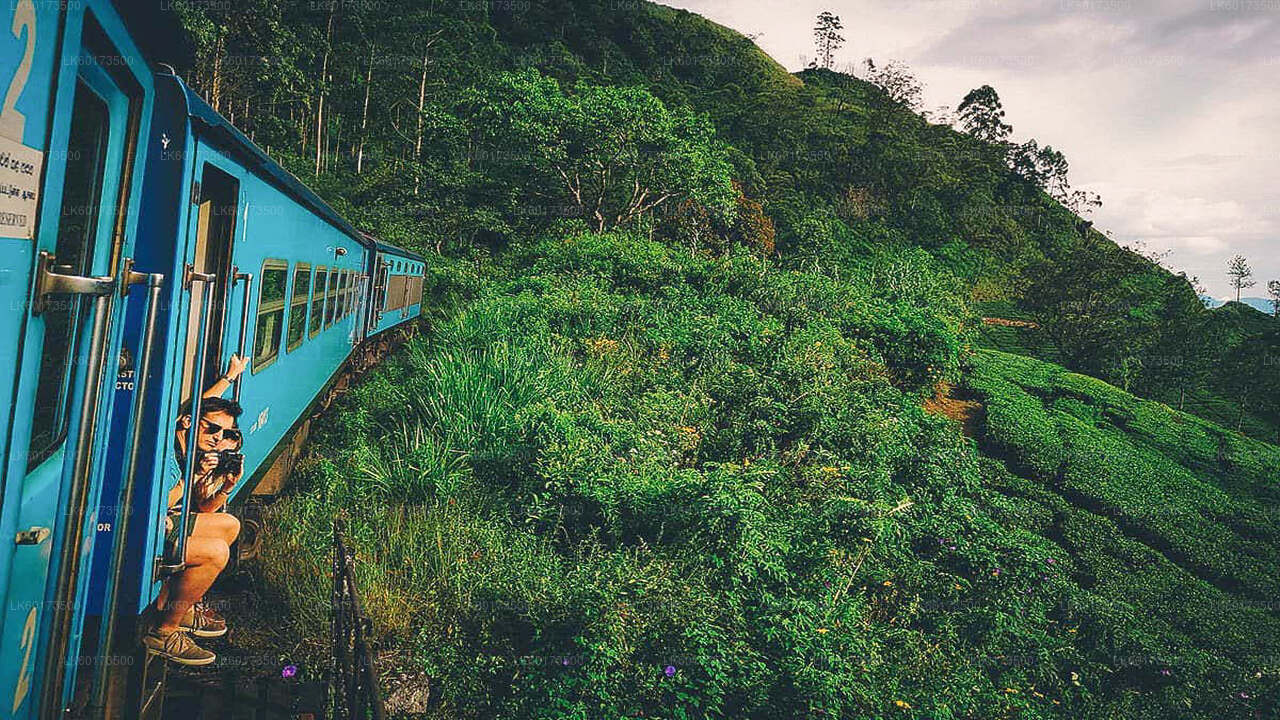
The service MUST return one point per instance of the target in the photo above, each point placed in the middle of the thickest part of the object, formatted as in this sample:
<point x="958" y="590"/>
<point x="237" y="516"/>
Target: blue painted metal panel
<point x="39" y="38"/>
<point x="40" y="498"/>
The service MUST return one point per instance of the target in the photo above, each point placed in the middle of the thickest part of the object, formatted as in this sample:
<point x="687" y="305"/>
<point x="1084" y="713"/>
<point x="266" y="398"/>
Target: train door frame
<point x="218" y="190"/>
<point x="190" y="332"/>
<point x="96" y="83"/>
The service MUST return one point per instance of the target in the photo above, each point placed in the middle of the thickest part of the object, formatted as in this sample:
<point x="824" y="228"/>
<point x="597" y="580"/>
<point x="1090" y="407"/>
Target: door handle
<point x="52" y="279"/>
<point x="34" y="536"/>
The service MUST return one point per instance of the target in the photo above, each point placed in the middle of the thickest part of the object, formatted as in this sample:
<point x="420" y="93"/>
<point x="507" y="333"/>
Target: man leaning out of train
<point x="180" y="607"/>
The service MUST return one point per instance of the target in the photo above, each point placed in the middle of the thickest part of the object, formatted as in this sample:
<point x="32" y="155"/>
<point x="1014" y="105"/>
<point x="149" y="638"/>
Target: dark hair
<point x="207" y="405"/>
<point x="213" y="405"/>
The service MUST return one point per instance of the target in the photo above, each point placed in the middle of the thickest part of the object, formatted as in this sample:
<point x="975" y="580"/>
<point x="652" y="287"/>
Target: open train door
<point x="89" y="94"/>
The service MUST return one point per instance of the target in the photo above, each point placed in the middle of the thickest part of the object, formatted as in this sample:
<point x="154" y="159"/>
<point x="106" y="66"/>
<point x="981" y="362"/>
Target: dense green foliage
<point x="624" y="481"/>
<point x="401" y="115"/>
<point x="662" y="452"/>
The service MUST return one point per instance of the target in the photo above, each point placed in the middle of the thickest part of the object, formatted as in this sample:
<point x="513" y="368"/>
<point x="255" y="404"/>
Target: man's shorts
<point x="171" y="535"/>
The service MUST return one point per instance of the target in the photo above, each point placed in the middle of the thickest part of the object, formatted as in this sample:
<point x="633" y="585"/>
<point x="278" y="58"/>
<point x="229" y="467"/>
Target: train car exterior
<point x="263" y="268"/>
<point x="145" y="240"/>
<point x="77" y="100"/>
<point x="397" y="286"/>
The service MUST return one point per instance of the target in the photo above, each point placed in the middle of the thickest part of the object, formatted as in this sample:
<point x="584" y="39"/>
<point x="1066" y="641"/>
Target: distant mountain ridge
<point x="1258" y="303"/>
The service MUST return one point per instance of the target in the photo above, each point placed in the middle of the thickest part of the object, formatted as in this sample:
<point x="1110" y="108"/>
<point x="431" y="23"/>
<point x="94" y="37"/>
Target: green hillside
<point x="836" y="164"/>
<point x="663" y="449"/>
<point x="615" y="459"/>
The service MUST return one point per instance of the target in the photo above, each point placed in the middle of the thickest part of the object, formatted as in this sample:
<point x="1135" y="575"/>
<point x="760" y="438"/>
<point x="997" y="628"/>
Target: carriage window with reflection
<point x="298" y="305"/>
<point x="270" y="325"/>
<point x="318" y="289"/>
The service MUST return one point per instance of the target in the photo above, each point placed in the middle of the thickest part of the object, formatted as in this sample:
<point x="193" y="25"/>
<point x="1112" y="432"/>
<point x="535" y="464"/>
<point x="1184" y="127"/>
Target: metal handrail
<point x="177" y="560"/>
<point x="106" y="639"/>
<point x="82" y="451"/>
<point x="244" y="324"/>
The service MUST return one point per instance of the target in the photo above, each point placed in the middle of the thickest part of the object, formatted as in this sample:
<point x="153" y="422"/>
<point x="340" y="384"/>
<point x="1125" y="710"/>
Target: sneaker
<point x="178" y="647"/>
<point x="203" y="622"/>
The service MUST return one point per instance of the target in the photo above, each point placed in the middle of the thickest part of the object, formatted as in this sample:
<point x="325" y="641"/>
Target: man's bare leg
<point x="206" y="557"/>
<point x="221" y="526"/>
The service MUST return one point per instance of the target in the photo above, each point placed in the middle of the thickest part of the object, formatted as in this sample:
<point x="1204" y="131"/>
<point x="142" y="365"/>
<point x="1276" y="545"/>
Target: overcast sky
<point x="1169" y="109"/>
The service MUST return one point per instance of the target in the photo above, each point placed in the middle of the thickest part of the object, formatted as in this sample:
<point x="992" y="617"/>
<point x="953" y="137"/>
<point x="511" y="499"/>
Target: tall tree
<point x="364" y="111"/>
<point x="1240" y="274"/>
<point x="982" y="115"/>
<point x="324" y="79"/>
<point x="896" y="80"/>
<point x="422" y="99"/>
<point x="613" y="153"/>
<point x="827" y="37"/>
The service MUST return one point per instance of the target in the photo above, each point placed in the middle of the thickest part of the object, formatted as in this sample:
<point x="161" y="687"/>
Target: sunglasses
<point x="229" y="433"/>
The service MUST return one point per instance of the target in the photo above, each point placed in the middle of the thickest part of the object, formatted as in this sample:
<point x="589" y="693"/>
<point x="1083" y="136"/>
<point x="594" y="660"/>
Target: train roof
<point x="210" y="122"/>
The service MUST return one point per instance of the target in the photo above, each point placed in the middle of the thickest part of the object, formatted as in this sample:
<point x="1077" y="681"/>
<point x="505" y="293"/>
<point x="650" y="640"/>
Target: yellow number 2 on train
<point x="28" y="643"/>
<point x="12" y="122"/>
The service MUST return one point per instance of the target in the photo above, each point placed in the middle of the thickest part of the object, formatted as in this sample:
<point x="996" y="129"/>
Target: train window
<point x="352" y="281"/>
<point x="337" y="295"/>
<point x="331" y="297"/>
<point x="266" y="338"/>
<point x="77" y="227"/>
<point x="396" y="287"/>
<point x="317" y="299"/>
<point x="343" y="301"/>
<point x="298" y="306"/>
<point x="415" y="291"/>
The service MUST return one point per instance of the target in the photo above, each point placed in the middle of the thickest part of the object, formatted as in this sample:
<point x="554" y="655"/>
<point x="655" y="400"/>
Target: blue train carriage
<point x="262" y="267"/>
<point x="397" y="287"/>
<point x="76" y="100"/>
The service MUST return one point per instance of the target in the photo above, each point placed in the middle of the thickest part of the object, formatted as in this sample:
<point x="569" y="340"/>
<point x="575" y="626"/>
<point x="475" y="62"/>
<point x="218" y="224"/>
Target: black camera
<point x="230" y="462"/>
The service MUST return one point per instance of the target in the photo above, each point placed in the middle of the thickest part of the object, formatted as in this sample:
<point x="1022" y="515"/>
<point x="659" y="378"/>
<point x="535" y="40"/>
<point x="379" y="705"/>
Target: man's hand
<point x="236" y="366"/>
<point x="208" y="463"/>
<point x="229" y="480"/>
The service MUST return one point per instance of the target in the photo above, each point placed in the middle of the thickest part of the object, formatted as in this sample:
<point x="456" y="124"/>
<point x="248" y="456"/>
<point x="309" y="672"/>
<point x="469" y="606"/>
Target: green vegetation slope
<point x="663" y="452"/>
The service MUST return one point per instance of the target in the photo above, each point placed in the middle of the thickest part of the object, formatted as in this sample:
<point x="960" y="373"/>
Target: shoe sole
<point x="183" y="661"/>
<point x="205" y="633"/>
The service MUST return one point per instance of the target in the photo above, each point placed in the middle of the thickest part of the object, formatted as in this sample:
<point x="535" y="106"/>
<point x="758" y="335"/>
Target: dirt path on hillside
<point x="953" y="403"/>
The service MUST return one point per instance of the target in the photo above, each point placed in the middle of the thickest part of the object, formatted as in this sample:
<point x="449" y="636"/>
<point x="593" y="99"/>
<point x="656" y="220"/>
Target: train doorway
<point x="214" y="241"/>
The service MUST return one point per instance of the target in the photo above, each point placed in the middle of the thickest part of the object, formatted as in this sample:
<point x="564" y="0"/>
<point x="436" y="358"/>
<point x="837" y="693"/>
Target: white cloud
<point x="1167" y="108"/>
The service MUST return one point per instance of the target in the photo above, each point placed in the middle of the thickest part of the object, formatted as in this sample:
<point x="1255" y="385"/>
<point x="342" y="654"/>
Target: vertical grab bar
<point x="244" y="324"/>
<point x="177" y="560"/>
<point x="82" y="451"/>
<point x="106" y="637"/>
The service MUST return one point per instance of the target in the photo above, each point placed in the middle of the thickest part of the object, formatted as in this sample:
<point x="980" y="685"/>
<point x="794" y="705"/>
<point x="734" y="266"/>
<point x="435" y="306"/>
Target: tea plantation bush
<point x="623" y="481"/>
